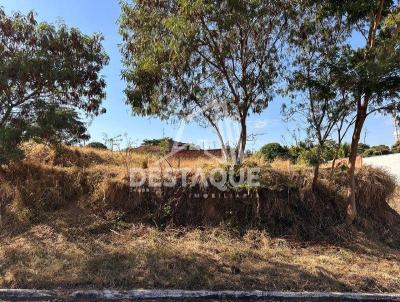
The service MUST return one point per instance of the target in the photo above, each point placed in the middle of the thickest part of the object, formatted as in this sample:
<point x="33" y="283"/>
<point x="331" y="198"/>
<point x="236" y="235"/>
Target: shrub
<point x="308" y="157"/>
<point x="273" y="150"/>
<point x="362" y="148"/>
<point x="9" y="141"/>
<point x="368" y="152"/>
<point x="377" y="150"/>
<point x="382" y="149"/>
<point x="97" y="145"/>
<point x="344" y="150"/>
<point x="294" y="153"/>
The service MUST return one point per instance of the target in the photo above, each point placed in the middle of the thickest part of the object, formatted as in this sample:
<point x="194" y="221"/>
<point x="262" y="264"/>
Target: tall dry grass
<point x="395" y="200"/>
<point x="98" y="180"/>
<point x="71" y="220"/>
<point x="76" y="249"/>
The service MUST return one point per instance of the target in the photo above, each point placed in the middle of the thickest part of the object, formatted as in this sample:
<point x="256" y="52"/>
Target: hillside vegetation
<point x="70" y="219"/>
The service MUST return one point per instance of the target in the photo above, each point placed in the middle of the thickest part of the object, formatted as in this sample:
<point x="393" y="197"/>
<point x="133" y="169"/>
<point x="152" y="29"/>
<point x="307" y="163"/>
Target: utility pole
<point x="113" y="141"/>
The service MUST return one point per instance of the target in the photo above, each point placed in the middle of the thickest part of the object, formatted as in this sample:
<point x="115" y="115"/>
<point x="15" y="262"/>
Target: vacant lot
<point x="71" y="249"/>
<point x="55" y="237"/>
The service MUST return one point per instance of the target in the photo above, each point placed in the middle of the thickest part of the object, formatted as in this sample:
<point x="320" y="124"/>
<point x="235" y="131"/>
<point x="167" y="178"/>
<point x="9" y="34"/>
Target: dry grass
<point x="73" y="249"/>
<point x="66" y="226"/>
<point x="99" y="180"/>
<point x="106" y="160"/>
<point x="395" y="201"/>
<point x="99" y="159"/>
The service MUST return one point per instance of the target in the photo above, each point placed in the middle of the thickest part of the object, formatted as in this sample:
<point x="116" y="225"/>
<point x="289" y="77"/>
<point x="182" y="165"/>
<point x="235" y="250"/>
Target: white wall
<point x="390" y="162"/>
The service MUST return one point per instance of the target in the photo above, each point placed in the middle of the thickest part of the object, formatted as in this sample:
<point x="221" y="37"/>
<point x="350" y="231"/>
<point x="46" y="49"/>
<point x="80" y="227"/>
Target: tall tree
<point x="371" y="74"/>
<point x="46" y="71"/>
<point x="320" y="42"/>
<point x="56" y="124"/>
<point x="208" y="58"/>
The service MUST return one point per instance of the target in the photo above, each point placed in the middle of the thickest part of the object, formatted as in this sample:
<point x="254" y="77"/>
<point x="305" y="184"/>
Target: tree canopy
<point x="272" y="151"/>
<point x="46" y="73"/>
<point x="317" y="97"/>
<point x="371" y="73"/>
<point x="207" y="59"/>
<point x="97" y="145"/>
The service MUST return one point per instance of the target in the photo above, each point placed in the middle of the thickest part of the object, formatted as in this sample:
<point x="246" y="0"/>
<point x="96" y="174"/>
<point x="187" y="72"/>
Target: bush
<point x="382" y="149"/>
<point x="369" y="152"/>
<point x="273" y="150"/>
<point x="377" y="150"/>
<point x="344" y="150"/>
<point x="10" y="139"/>
<point x="97" y="145"/>
<point x="294" y="153"/>
<point x="362" y="148"/>
<point x="307" y="154"/>
<point x="308" y="157"/>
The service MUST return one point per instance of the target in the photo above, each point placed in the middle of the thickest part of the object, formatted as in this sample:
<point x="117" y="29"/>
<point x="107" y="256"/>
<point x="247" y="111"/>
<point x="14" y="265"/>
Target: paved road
<point x="184" y="295"/>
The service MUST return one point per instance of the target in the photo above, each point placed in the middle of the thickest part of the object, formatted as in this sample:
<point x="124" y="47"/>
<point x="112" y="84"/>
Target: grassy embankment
<point x="70" y="221"/>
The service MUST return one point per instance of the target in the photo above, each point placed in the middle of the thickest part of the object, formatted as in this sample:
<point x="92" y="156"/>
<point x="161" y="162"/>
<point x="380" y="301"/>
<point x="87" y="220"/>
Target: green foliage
<point x="157" y="141"/>
<point x="294" y="153"/>
<point x="97" y="145"/>
<point x="370" y="73"/>
<point x="383" y="149"/>
<point x="181" y="56"/>
<point x="273" y="150"/>
<point x="308" y="157"/>
<point x="46" y="73"/>
<point x="56" y="124"/>
<point x="377" y="150"/>
<point x="316" y="96"/>
<point x="344" y="150"/>
<point x="306" y="153"/>
<point x="9" y="140"/>
<point x="362" y="148"/>
<point x="368" y="153"/>
<point x="165" y="144"/>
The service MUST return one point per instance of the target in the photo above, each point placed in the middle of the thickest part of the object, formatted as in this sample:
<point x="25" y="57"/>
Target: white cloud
<point x="259" y="124"/>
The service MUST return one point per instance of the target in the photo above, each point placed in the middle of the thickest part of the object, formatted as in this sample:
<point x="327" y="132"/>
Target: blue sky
<point x="92" y="16"/>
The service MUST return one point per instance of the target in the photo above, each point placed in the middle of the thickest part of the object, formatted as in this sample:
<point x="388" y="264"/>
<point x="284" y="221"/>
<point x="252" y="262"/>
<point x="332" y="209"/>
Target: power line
<point x="113" y="141"/>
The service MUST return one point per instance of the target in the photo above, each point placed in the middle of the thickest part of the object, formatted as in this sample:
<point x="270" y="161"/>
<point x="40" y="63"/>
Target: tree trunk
<point x="351" y="193"/>
<point x="225" y="151"/>
<point x="316" y="169"/>
<point x="333" y="167"/>
<point x="334" y="160"/>
<point x="2" y="211"/>
<point x="239" y="153"/>
<point x="2" y="201"/>
<point x="362" y="108"/>
<point x="224" y="148"/>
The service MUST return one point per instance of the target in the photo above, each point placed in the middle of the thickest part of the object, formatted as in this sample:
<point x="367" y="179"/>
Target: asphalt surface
<point x="30" y="295"/>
